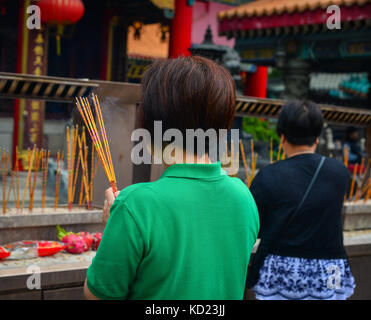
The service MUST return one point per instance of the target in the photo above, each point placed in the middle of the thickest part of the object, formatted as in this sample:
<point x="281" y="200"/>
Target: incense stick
<point x="346" y="155"/>
<point x="58" y="178"/>
<point x="11" y="186"/>
<point x="252" y="150"/>
<point x="3" y="171"/>
<point x="35" y="174"/>
<point x="45" y="164"/>
<point x="244" y="163"/>
<point x="104" y="155"/>
<point x="253" y="168"/>
<point x="271" y="151"/>
<point x="92" y="174"/>
<point x="353" y="181"/>
<point x="279" y="151"/>
<point x="82" y="162"/>
<point x="359" y="181"/>
<point x="17" y="176"/>
<point x="30" y="163"/>
<point x="68" y="168"/>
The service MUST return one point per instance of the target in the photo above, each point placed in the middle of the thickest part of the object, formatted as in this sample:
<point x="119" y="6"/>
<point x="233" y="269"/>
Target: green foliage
<point x="260" y="129"/>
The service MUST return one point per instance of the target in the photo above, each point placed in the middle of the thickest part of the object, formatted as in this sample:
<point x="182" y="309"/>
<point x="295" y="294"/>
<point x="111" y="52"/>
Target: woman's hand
<point x="110" y="197"/>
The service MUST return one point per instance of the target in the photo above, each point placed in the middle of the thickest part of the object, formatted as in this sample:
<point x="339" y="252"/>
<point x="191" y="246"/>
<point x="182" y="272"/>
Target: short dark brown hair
<point x="187" y="93"/>
<point x="301" y="122"/>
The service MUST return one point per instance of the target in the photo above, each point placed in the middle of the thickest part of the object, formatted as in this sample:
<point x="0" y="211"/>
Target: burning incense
<point x="252" y="150"/>
<point x="11" y="187"/>
<point x="253" y="168"/>
<point x="346" y="155"/>
<point x="244" y="163"/>
<point x="4" y="173"/>
<point x="353" y="181"/>
<point x="17" y="176"/>
<point x="30" y="164"/>
<point x="92" y="174"/>
<point x="82" y="162"/>
<point x="44" y="169"/>
<point x="104" y="154"/>
<point x="271" y="151"/>
<point x="368" y="194"/>
<point x="58" y="178"/>
<point x="279" y="151"/>
<point x="35" y="174"/>
<point x="71" y="152"/>
<point x="69" y="168"/>
<point x="359" y="180"/>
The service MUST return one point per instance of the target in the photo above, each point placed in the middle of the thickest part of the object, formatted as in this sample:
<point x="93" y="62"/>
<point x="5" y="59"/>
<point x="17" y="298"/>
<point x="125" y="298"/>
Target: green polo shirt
<point x="188" y="235"/>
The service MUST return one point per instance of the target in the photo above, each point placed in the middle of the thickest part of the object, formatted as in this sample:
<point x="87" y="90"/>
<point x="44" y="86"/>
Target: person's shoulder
<point x="137" y="192"/>
<point x="271" y="169"/>
<point x="336" y="165"/>
<point x="237" y="189"/>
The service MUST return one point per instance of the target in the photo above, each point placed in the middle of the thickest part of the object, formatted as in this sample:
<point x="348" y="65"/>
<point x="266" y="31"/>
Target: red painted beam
<point x="318" y="16"/>
<point x="181" y="30"/>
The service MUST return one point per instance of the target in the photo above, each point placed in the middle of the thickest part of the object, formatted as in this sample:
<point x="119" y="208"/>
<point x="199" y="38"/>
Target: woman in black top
<point x="301" y="254"/>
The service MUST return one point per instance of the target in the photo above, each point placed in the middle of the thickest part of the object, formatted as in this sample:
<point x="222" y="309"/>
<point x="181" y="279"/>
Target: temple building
<point x="304" y="40"/>
<point x="112" y="40"/>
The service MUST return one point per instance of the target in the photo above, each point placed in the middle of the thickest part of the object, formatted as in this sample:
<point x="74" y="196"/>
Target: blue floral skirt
<point x="287" y="278"/>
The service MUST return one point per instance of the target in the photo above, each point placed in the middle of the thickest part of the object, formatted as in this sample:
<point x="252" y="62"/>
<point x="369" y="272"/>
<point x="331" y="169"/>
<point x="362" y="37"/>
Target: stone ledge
<point x="26" y="219"/>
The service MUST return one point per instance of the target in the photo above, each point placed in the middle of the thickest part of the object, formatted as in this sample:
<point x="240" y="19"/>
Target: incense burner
<point x="357" y="215"/>
<point x="38" y="225"/>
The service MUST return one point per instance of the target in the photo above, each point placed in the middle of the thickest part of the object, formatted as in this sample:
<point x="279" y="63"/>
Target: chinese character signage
<point x="32" y="111"/>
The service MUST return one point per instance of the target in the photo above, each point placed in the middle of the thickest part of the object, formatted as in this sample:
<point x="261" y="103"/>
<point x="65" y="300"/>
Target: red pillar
<point x="256" y="83"/>
<point x="181" y="29"/>
<point x="19" y="70"/>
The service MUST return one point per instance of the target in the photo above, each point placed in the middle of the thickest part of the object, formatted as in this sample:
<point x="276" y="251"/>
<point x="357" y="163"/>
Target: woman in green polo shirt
<point x="189" y="234"/>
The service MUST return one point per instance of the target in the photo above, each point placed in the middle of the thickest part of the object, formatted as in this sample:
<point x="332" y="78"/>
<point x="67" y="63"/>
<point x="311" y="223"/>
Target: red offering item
<point x="4" y="253"/>
<point x="48" y="248"/>
<point x="88" y="238"/>
<point x="97" y="237"/>
<point x="33" y="249"/>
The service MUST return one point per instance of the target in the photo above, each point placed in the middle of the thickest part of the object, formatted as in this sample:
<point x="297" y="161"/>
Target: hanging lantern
<point x="2" y="7"/>
<point x="60" y="13"/>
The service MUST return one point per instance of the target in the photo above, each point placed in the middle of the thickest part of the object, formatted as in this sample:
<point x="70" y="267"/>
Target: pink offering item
<point x="97" y="237"/>
<point x="76" y="242"/>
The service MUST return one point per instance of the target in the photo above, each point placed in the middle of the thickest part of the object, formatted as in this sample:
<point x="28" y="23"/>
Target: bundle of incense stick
<point x="31" y="157"/>
<point x="271" y="151"/>
<point x="71" y="167"/>
<point x="17" y="178"/>
<point x="359" y="180"/>
<point x="244" y="163"/>
<point x="93" y="170"/>
<point x="353" y="182"/>
<point x="346" y="155"/>
<point x="4" y="172"/>
<point x="254" y="159"/>
<point x="44" y="169"/>
<point x="100" y="141"/>
<point x="11" y="186"/>
<point x="83" y="152"/>
<point x="84" y="168"/>
<point x="83" y="155"/>
<point x="279" y="151"/>
<point x="58" y="178"/>
<point x="35" y="174"/>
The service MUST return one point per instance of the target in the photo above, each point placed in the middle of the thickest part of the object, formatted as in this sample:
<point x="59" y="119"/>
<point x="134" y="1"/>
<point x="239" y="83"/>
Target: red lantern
<point x="2" y="7"/>
<point x="60" y="13"/>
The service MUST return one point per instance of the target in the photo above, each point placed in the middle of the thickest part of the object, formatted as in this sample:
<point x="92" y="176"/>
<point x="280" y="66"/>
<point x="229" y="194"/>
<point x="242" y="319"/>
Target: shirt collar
<point x="194" y="170"/>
